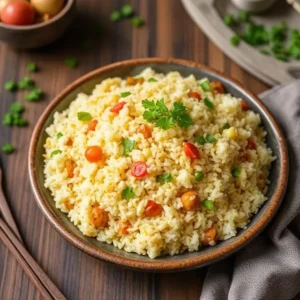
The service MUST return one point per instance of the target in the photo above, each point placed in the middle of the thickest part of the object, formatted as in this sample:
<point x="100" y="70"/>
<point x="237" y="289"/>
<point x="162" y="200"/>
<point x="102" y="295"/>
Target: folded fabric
<point x="269" y="267"/>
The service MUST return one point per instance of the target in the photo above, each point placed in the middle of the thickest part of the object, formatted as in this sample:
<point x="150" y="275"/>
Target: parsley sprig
<point x="158" y="112"/>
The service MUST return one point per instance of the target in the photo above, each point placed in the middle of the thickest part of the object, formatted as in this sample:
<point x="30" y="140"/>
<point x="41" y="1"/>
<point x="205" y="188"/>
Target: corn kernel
<point x="231" y="133"/>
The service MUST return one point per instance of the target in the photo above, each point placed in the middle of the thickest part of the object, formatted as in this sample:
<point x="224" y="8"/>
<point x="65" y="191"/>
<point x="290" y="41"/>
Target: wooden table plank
<point x="169" y="32"/>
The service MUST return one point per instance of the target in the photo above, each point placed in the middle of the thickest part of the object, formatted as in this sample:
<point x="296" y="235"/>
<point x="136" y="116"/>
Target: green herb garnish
<point x="208" y="103"/>
<point x="10" y="85"/>
<point x="84" y="116"/>
<point x="55" y="152"/>
<point x="7" y="119"/>
<point x="208" y="204"/>
<point x="115" y="16"/>
<point x="236" y="172"/>
<point x="163" y="178"/>
<point x="32" y="67"/>
<point x="7" y="148"/>
<point x="71" y="62"/>
<point x="26" y="83"/>
<point x="127" y="10"/>
<point x="137" y="21"/>
<point x="128" y="146"/>
<point x="210" y="138"/>
<point x="158" y="112"/>
<point x="152" y="79"/>
<point x="128" y="193"/>
<point x="199" y="175"/>
<point x="235" y="40"/>
<point x="59" y="135"/>
<point x="125" y="94"/>
<point x="16" y="107"/>
<point x="34" y="95"/>
<point x="205" y="86"/>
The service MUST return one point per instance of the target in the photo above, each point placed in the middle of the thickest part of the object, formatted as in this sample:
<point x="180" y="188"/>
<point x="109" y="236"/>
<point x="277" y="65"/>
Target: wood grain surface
<point x="169" y="32"/>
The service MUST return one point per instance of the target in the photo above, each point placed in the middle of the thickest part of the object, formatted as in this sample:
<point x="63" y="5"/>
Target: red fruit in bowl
<point x="18" y="12"/>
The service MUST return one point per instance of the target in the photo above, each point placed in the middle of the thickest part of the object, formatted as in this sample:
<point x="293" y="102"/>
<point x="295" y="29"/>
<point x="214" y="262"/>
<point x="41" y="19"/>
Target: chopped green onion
<point x="10" y="85"/>
<point x="137" y="21"/>
<point x="226" y="126"/>
<point x="55" y="152"/>
<point x="152" y="79"/>
<point x="71" y="62"/>
<point x="235" y="40"/>
<point x="84" y="116"/>
<point x="34" y="95"/>
<point x="205" y="86"/>
<point x="125" y="94"/>
<point x="7" y="119"/>
<point x="127" y="10"/>
<point x="20" y="121"/>
<point x="236" y="172"/>
<point x="163" y="178"/>
<point x="115" y="16"/>
<point x="128" y="146"/>
<point x="199" y="175"/>
<point x="7" y="148"/>
<point x="208" y="103"/>
<point x="59" y="135"/>
<point x="128" y="193"/>
<point x="210" y="138"/>
<point x="229" y="20"/>
<point x="32" y="67"/>
<point x="208" y="204"/>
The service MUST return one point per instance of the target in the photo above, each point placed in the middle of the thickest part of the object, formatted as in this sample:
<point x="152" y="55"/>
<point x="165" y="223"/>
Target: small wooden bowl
<point x="41" y="34"/>
<point x="187" y="260"/>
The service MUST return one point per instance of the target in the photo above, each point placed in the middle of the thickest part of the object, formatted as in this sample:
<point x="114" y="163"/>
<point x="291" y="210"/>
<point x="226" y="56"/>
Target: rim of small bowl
<point x="65" y="9"/>
<point x="178" y="265"/>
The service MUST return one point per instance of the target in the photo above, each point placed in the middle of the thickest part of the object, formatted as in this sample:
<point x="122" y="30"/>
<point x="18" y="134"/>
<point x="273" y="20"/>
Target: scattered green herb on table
<point x="34" y="95"/>
<point x="13" y="117"/>
<point x="10" y="85"/>
<point x="127" y="10"/>
<point x="32" y="67"/>
<point x="137" y="22"/>
<point x="71" y="62"/>
<point x="235" y="40"/>
<point x="7" y="148"/>
<point x="26" y="83"/>
<point x="115" y="16"/>
<point x="229" y="20"/>
<point x="244" y="16"/>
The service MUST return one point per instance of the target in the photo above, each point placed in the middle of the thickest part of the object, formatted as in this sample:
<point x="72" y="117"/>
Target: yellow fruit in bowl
<point x="51" y="7"/>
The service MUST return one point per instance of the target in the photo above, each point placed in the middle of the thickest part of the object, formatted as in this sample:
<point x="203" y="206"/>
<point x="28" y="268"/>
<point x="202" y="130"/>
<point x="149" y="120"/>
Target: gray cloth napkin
<point x="269" y="267"/>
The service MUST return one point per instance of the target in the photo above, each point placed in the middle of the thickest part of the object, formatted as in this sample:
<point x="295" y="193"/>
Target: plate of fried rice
<point x="158" y="164"/>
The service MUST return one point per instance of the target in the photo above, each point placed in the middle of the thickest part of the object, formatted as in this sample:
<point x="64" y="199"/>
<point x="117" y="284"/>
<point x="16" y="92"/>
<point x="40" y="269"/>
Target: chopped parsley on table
<point x="116" y="15"/>
<point x="10" y="85"/>
<point x="13" y="117"/>
<point x="7" y="148"/>
<point x="137" y="21"/>
<point x="26" y="83"/>
<point x="128" y="193"/>
<point x="71" y="62"/>
<point x="163" y="118"/>
<point x="34" y="95"/>
<point x="32" y="67"/>
<point x="235" y="40"/>
<point x="127" y="10"/>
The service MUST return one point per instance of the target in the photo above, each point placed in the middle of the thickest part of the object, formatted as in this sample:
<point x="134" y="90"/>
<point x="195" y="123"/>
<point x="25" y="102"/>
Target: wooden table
<point x="169" y="32"/>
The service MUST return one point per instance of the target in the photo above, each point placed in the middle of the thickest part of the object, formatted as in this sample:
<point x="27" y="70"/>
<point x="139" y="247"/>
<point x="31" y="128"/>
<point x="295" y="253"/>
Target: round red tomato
<point x="93" y="154"/>
<point x="139" y="169"/>
<point x="18" y="12"/>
